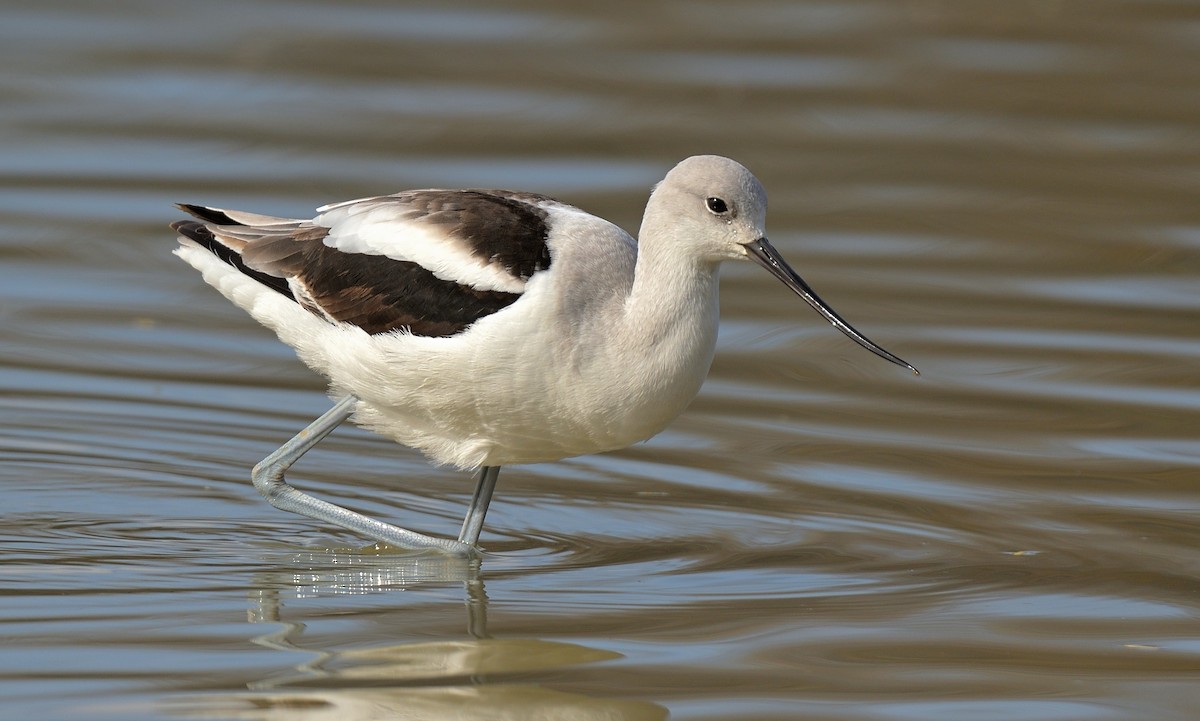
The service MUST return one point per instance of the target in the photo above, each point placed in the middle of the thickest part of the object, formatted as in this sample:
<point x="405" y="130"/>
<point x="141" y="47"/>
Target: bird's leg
<point x="268" y="479"/>
<point x="473" y="523"/>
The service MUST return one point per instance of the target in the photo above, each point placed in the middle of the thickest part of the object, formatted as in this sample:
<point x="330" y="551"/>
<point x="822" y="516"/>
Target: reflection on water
<point x="507" y="701"/>
<point x="1002" y="193"/>
<point x="476" y="677"/>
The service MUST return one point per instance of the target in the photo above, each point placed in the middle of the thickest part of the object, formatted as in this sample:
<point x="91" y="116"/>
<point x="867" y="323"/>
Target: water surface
<point x="1002" y="194"/>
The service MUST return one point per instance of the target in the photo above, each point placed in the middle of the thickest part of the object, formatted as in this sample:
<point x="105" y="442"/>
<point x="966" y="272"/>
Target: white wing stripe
<point x="383" y="231"/>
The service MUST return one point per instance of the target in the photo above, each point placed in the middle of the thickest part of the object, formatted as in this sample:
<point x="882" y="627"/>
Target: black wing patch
<point x="377" y="293"/>
<point x="497" y="226"/>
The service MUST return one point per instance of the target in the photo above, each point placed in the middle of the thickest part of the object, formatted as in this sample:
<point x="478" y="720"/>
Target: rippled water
<point x="1004" y="194"/>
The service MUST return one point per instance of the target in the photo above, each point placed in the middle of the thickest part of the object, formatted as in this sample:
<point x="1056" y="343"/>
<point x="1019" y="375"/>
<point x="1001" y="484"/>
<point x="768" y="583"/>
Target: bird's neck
<point x="672" y="305"/>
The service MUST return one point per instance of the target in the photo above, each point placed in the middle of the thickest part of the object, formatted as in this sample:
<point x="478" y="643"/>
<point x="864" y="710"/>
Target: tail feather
<point x="201" y="234"/>
<point x="208" y="215"/>
<point x="227" y="218"/>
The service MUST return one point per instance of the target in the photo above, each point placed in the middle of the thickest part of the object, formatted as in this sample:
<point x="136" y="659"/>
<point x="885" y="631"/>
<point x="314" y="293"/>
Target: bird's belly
<point x="583" y="421"/>
<point x="603" y="405"/>
<point x="532" y="407"/>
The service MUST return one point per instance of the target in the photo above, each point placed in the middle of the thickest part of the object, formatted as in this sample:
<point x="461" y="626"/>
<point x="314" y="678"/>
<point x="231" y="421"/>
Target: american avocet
<point x="489" y="327"/>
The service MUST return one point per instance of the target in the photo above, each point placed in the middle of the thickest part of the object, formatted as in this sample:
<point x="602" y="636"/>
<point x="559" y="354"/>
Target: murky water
<point x="1005" y="194"/>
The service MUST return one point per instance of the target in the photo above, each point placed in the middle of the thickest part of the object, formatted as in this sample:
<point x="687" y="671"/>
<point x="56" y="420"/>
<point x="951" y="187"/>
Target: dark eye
<point x="717" y="206"/>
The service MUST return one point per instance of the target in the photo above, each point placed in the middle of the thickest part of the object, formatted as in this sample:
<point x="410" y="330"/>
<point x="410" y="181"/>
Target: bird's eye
<point x="716" y="206"/>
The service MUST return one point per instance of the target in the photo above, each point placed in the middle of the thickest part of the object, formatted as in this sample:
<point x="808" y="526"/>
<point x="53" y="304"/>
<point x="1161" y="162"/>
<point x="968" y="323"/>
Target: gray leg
<point x="473" y="523"/>
<point x="268" y="479"/>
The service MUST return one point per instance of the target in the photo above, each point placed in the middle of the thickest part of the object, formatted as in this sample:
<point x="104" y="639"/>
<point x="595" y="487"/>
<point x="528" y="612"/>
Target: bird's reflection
<point x="463" y="678"/>
<point x="351" y="573"/>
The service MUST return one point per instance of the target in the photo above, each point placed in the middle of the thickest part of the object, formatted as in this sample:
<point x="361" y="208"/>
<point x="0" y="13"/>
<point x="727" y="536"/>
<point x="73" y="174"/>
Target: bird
<point x="487" y="328"/>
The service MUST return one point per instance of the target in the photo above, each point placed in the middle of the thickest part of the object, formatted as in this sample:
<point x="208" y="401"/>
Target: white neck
<point x="673" y="295"/>
<point x="671" y="312"/>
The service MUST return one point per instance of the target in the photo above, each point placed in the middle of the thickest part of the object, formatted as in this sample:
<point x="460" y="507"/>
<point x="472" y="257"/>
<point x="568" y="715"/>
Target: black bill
<point x="766" y="256"/>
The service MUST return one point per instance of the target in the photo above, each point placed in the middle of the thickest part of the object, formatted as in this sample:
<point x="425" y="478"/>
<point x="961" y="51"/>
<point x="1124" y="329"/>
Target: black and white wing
<point x="430" y="262"/>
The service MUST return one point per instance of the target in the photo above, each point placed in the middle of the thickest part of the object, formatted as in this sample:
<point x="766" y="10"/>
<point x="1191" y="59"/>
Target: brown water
<point x="1005" y="194"/>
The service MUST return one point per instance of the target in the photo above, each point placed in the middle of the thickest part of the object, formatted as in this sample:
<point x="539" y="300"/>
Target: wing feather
<point x="430" y="262"/>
